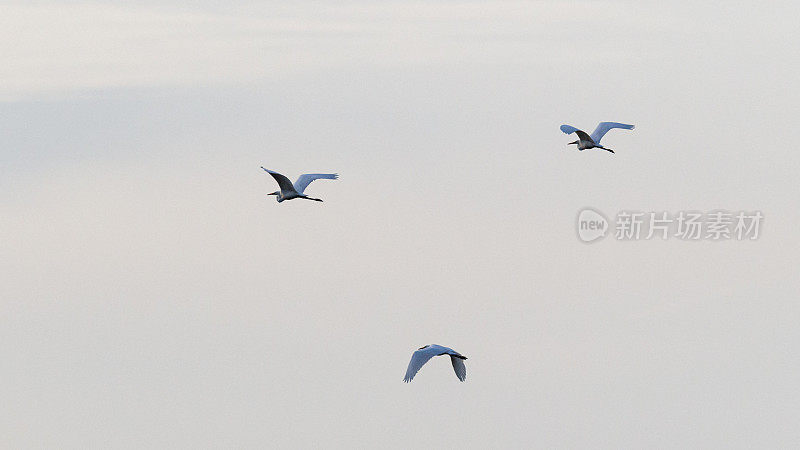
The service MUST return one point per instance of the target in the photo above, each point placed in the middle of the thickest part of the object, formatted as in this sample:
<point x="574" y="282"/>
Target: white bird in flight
<point x="586" y="141"/>
<point x="421" y="356"/>
<point x="289" y="191"/>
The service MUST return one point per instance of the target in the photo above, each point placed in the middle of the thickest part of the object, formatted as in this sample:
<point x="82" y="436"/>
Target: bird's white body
<point x="281" y="196"/>
<point x="424" y="354"/>
<point x="586" y="141"/>
<point x="290" y="191"/>
<point x="585" y="144"/>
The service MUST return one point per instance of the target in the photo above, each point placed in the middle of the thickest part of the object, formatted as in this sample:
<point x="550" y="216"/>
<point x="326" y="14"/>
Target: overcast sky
<point x="154" y="297"/>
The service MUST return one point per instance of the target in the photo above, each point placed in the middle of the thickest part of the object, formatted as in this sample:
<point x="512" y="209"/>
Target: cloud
<point x="57" y="47"/>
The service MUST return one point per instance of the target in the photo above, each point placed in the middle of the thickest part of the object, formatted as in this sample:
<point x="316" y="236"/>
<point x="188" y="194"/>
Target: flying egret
<point x="289" y="191"/>
<point x="586" y="141"/>
<point x="421" y="356"/>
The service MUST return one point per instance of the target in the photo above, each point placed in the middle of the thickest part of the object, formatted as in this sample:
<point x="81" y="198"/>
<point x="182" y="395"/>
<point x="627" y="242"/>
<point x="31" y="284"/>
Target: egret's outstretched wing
<point x="603" y="127"/>
<point x="284" y="183"/>
<point x="459" y="367"/>
<point x="305" y="179"/>
<point x="568" y="129"/>
<point x="583" y="136"/>
<point x="418" y="359"/>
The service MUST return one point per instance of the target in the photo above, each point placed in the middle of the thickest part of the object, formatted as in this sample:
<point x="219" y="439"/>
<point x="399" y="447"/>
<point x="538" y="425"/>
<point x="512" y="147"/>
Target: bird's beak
<point x="573" y="143"/>
<point x="273" y="193"/>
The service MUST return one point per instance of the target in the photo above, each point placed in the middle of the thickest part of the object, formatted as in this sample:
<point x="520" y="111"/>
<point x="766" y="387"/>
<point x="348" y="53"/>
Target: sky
<point x="153" y="296"/>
